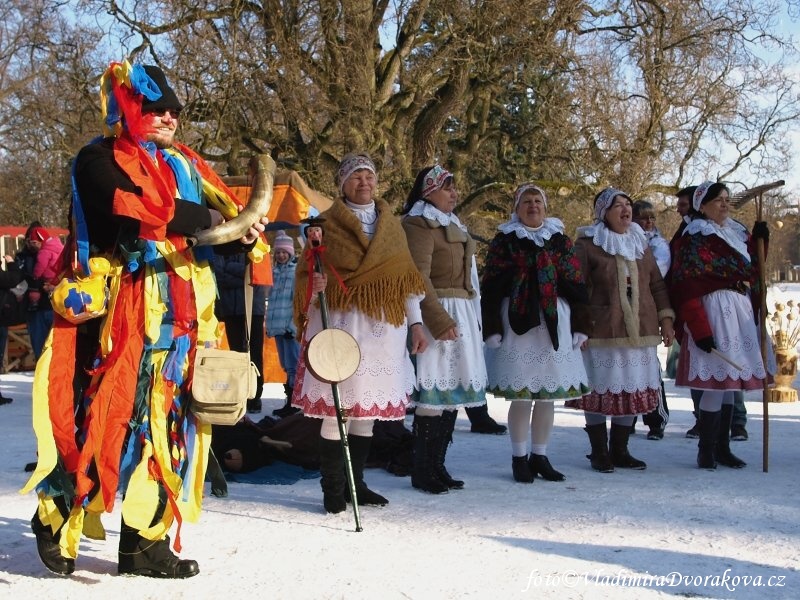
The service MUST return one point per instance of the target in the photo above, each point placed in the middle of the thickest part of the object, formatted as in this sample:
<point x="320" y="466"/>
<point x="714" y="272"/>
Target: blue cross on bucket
<point x="77" y="301"/>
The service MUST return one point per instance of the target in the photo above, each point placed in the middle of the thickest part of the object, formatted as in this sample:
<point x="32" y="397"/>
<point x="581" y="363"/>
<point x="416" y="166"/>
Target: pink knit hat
<point x="283" y="242"/>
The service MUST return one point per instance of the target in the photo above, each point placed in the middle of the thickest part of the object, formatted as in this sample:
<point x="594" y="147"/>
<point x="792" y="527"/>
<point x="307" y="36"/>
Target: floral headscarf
<point x="435" y="180"/>
<point x="352" y="163"/>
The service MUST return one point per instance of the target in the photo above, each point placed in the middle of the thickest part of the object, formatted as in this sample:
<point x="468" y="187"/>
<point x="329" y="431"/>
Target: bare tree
<point x="47" y="108"/>
<point x="643" y="94"/>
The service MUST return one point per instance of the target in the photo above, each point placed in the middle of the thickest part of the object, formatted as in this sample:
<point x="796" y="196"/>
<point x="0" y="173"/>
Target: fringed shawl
<point x="378" y="274"/>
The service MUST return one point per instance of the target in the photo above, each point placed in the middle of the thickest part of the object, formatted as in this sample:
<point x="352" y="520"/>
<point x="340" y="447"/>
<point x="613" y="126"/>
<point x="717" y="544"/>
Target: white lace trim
<point x="430" y="212"/>
<point x="732" y="232"/>
<point x="538" y="235"/>
<point x="630" y="245"/>
<point x="619" y="370"/>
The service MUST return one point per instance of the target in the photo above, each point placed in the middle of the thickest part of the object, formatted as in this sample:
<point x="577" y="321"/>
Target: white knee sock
<point x="519" y="416"/>
<point x="711" y="401"/>
<point x="541" y="426"/>
<point x="330" y="428"/>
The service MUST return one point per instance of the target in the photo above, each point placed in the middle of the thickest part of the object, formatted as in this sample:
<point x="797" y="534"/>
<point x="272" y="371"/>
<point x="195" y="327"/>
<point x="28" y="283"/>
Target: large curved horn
<point x="262" y="168"/>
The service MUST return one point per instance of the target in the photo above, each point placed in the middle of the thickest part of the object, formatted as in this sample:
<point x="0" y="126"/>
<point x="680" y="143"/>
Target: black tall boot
<point x="287" y="409"/>
<point x="140" y="556"/>
<point x="333" y="482"/>
<point x="708" y="428"/>
<point x="447" y="425"/>
<point x="723" y="450"/>
<point x="47" y="543"/>
<point x="618" y="448"/>
<point x="598" y="438"/>
<point x="359" y="450"/>
<point x="427" y="437"/>
<point x="481" y="422"/>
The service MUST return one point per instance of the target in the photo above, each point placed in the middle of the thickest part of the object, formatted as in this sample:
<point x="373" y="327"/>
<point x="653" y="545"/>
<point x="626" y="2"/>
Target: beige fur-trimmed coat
<point x="616" y="320"/>
<point x="444" y="257"/>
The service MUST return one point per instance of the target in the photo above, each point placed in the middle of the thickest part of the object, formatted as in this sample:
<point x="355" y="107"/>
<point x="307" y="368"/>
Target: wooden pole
<point x="762" y="322"/>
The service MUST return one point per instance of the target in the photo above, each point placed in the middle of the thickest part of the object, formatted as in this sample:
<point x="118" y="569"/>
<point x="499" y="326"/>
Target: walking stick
<point x="323" y="362"/>
<point x="740" y="200"/>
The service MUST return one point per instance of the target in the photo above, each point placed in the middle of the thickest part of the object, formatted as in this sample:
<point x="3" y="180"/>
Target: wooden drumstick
<point x="727" y="360"/>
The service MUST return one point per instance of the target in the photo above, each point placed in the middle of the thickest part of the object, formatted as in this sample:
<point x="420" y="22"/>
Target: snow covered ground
<point x="669" y="531"/>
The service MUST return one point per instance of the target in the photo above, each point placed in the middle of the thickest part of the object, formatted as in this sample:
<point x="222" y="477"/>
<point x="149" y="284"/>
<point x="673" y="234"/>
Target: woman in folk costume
<point x="373" y="290"/>
<point x="110" y="394"/>
<point x="533" y="299"/>
<point x="451" y="373"/>
<point x="630" y="314"/>
<point x="714" y="286"/>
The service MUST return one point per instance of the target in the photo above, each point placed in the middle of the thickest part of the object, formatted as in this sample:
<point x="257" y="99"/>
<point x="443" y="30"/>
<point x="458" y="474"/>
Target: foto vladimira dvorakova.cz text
<point x="623" y="578"/>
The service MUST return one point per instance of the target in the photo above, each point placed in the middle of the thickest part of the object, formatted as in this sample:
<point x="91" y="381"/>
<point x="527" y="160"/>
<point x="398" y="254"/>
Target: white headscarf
<point x="604" y="202"/>
<point x="700" y="194"/>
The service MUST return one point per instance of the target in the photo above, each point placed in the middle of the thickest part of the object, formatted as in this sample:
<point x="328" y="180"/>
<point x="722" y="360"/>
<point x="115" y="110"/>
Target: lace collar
<point x="538" y="235"/>
<point x="430" y="212"/>
<point x="732" y="232"/>
<point x="630" y="245"/>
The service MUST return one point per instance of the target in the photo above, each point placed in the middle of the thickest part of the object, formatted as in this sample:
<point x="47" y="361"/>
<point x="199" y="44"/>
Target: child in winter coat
<point x="280" y="307"/>
<point x="48" y="261"/>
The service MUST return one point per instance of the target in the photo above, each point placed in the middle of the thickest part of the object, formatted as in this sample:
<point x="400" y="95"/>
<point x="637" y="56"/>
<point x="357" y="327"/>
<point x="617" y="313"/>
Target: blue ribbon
<point x="143" y="84"/>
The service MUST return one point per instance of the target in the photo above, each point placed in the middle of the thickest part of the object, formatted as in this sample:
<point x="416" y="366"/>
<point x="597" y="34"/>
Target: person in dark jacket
<point x="39" y="311"/>
<point x="10" y="277"/>
<point x="229" y="272"/>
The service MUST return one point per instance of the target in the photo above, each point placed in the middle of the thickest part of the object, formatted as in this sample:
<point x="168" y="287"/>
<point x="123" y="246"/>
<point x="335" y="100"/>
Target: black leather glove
<point x="761" y="231"/>
<point x="706" y="344"/>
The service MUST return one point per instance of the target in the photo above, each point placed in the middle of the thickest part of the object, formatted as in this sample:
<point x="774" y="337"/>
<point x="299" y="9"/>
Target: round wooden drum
<point x="332" y="355"/>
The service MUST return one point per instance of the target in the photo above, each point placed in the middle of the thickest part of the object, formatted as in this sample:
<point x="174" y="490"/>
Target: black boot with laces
<point x="148" y="558"/>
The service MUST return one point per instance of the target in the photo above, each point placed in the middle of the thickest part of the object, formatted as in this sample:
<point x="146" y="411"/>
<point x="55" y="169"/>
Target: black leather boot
<point x="447" y="425"/>
<point x="618" y="448"/>
<point x="723" y="452"/>
<point x="48" y="548"/>
<point x="708" y="428"/>
<point x="481" y="422"/>
<point x="333" y="482"/>
<point x="598" y="438"/>
<point x="359" y="450"/>
<point x="521" y="469"/>
<point x="540" y="465"/>
<point x="427" y="432"/>
<point x="148" y="558"/>
<point x="287" y="409"/>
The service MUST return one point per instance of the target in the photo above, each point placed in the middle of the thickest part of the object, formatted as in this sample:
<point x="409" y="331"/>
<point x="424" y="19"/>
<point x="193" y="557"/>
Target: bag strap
<point x="248" y="306"/>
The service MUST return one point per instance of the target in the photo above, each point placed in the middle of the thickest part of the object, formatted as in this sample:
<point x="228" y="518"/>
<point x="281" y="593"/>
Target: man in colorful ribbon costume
<point x="111" y="393"/>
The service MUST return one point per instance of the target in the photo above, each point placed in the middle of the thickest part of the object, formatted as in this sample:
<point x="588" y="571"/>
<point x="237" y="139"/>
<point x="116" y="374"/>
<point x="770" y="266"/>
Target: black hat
<point x="168" y="99"/>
